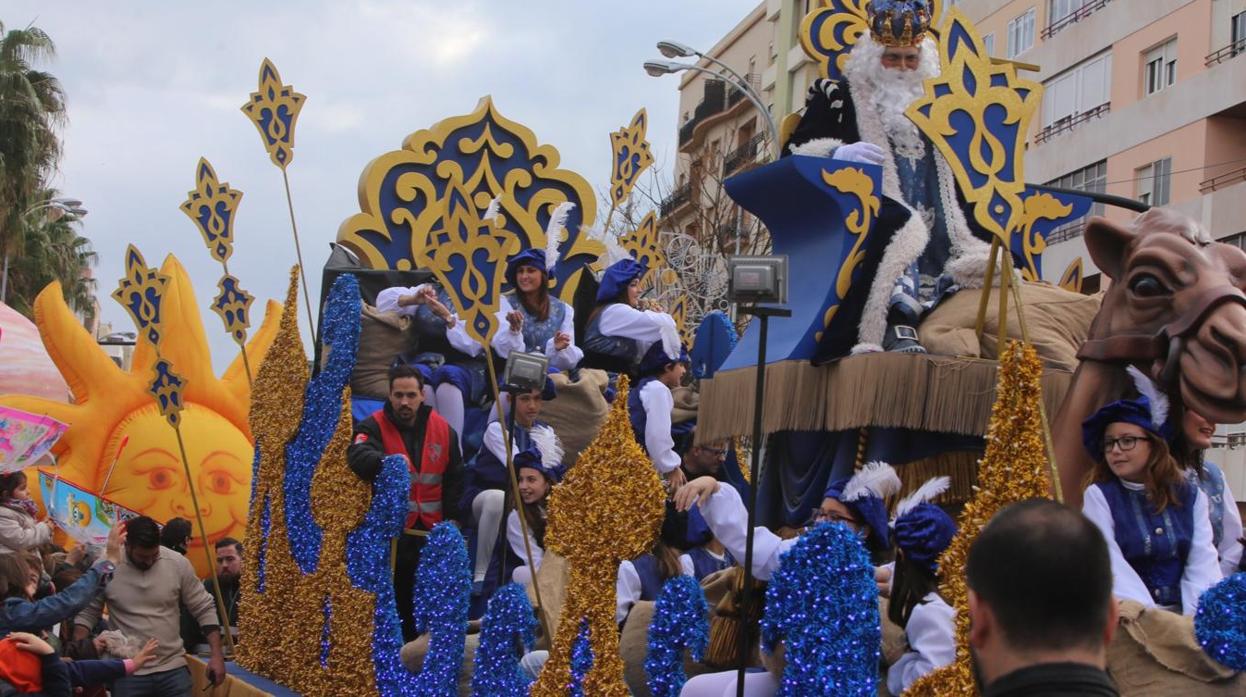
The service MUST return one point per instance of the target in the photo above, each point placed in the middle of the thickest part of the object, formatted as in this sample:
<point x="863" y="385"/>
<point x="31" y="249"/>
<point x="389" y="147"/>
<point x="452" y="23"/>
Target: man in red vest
<point x="407" y="426"/>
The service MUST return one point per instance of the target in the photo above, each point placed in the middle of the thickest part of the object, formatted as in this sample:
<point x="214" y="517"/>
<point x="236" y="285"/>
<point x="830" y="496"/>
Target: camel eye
<point x="1147" y="286"/>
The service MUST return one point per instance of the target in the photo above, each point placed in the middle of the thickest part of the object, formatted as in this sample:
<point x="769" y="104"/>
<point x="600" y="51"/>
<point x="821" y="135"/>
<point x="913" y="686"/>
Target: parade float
<point x="997" y="403"/>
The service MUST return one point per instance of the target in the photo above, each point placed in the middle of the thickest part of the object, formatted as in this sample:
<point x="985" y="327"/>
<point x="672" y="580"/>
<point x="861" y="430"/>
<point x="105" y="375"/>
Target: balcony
<point x="1225" y="53"/>
<point x="1222" y="181"/>
<point x="1068" y="123"/>
<point x="743" y="155"/>
<point x="677" y="198"/>
<point x="1072" y="18"/>
<point x="714" y="102"/>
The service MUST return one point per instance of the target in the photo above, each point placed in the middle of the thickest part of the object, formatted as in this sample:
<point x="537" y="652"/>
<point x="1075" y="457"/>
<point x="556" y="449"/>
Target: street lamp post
<point x="55" y="208"/>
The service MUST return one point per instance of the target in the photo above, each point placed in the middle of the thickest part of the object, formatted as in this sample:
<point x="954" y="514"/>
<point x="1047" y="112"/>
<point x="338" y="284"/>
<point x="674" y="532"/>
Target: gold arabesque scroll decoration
<point x="1038" y="206"/>
<point x="851" y="181"/>
<point x="631" y="157"/>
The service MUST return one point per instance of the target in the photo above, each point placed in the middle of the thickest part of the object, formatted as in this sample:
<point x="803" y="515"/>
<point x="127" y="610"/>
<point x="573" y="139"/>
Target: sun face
<point x="112" y="407"/>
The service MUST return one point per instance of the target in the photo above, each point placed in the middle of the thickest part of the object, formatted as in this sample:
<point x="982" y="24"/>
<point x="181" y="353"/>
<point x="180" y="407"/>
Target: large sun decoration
<point x="111" y="405"/>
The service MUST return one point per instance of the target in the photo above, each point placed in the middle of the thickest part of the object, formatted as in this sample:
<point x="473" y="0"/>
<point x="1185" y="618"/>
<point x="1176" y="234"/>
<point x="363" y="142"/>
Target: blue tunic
<point x="704" y="563"/>
<point x="1156" y="545"/>
<point x="636" y="411"/>
<point x="1212" y="484"/>
<point x="650" y="576"/>
<point x="621" y="353"/>
<point x="488" y="472"/>
<point x="536" y="332"/>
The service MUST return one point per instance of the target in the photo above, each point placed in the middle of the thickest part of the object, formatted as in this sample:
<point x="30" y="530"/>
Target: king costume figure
<point x="862" y="119"/>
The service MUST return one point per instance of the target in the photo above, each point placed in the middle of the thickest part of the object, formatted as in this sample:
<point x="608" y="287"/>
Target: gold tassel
<point x="728" y="623"/>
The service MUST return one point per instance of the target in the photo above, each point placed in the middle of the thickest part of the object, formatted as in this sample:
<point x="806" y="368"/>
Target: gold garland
<point x="607" y="510"/>
<point x="1014" y="468"/>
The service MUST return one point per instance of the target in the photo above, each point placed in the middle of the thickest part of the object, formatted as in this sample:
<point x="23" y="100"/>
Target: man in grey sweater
<point x="143" y="602"/>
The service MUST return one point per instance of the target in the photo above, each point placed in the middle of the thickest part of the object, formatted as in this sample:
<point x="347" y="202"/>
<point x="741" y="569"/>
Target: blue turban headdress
<point x="865" y="495"/>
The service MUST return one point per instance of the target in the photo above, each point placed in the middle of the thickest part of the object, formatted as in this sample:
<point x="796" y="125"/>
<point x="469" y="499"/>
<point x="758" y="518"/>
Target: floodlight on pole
<point x="658" y="68"/>
<point x="674" y="49"/>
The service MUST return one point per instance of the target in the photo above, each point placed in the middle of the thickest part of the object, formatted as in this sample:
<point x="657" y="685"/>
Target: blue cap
<point x="656" y="358"/>
<point x="864" y="493"/>
<point x="1137" y="411"/>
<point x="614" y="281"/>
<point x="872" y="510"/>
<point x="528" y="257"/>
<point x="923" y="533"/>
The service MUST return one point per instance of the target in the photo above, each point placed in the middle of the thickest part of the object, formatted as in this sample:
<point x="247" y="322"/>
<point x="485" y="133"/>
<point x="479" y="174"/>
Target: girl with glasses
<point x="1154" y="520"/>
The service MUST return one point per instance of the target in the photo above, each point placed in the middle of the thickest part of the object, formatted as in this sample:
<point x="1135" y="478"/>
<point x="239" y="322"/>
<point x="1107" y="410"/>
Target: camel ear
<point x="1106" y="241"/>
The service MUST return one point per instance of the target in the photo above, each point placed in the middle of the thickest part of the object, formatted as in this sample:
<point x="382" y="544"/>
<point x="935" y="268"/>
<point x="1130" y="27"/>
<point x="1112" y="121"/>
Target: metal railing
<point x="1068" y="123"/>
<point x="1221" y="181"/>
<point x="1225" y="53"/>
<point x="715" y="102"/>
<point x="677" y="198"/>
<point x="747" y="152"/>
<point x="1066" y="232"/>
<point x="1072" y="18"/>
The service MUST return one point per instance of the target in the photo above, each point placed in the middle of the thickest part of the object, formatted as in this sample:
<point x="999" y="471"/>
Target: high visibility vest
<point x="424" y="499"/>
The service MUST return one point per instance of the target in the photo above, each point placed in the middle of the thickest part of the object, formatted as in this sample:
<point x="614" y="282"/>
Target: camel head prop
<point x="1176" y="309"/>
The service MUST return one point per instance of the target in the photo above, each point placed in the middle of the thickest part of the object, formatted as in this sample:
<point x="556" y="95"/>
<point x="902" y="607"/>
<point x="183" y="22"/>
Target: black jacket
<point x="1054" y="680"/>
<point x="364" y="458"/>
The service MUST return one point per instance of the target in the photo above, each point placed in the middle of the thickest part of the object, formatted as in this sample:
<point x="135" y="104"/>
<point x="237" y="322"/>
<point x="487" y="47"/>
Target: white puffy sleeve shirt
<point x="514" y="535"/>
<point x="932" y="643"/>
<point x="387" y="301"/>
<point x="1202" y="566"/>
<point x="659" y="404"/>
<point x="505" y="340"/>
<point x="645" y="327"/>
<point x="727" y="518"/>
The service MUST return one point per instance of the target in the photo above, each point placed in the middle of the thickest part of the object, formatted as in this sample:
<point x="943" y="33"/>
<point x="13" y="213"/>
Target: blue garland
<point x="1220" y="621"/>
<point x="261" y="567"/>
<point x="367" y="565"/>
<point x="679" y="622"/>
<point x="581" y="660"/>
<point x="443" y="592"/>
<point x="823" y="603"/>
<point x="322" y="407"/>
<point x="508" y="617"/>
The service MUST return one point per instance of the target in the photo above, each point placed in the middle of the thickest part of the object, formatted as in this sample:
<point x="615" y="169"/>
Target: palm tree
<point x="52" y="250"/>
<point x="32" y="110"/>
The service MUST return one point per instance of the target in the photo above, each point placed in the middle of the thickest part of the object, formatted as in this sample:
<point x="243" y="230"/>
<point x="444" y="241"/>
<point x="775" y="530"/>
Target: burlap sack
<point x="1058" y="321"/>
<point x="634" y="644"/>
<point x="412" y="656"/>
<point x="552" y="579"/>
<point x="686" y="400"/>
<point x="1154" y="653"/>
<point x="895" y="641"/>
<point x="382" y="335"/>
<point x="578" y="411"/>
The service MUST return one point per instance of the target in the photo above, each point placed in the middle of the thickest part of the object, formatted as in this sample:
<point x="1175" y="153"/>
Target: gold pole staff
<point x="274" y="109"/>
<point x="211" y="206"/>
<point x="141" y="293"/>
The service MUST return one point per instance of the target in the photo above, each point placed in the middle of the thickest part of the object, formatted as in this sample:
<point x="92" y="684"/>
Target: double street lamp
<point x="56" y="208"/>
<point x="674" y="49"/>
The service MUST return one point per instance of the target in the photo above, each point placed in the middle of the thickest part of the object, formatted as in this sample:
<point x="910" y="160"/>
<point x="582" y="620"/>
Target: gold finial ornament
<point x="631" y="157"/>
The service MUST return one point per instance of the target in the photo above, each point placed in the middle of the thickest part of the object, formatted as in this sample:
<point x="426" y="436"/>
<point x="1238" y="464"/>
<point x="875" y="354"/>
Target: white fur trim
<point x="876" y="478"/>
<point x="861" y="349"/>
<point x="905" y="247"/>
<point x="818" y="147"/>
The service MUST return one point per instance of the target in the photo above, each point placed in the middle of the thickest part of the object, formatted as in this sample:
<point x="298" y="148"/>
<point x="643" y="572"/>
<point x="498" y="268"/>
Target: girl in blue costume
<point x="532" y="321"/>
<point x="1226" y="521"/>
<point x="651" y="405"/>
<point x="1155" y="521"/>
<point x="858" y="502"/>
<point x="619" y="333"/>
<point x="922" y="531"/>
<point x="486" y="479"/>
<point x="457" y="371"/>
<point x="539" y="469"/>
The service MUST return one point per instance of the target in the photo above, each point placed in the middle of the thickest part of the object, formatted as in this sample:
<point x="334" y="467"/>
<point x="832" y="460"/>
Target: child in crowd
<point x="1155" y="521"/>
<point x="19" y="531"/>
<point x="539" y="469"/>
<point x="651" y="404"/>
<point x="922" y="531"/>
<point x="486" y="480"/>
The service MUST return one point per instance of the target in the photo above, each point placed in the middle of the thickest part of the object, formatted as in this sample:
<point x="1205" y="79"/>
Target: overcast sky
<point x="152" y="86"/>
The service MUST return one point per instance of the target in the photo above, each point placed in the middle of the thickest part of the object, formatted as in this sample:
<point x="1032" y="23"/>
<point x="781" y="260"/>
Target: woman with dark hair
<point x="619" y="332"/>
<point x="538" y="469"/>
<point x="1189" y="447"/>
<point x="1155" y="521"/>
<point x="531" y="320"/>
<point x="19" y="531"/>
<point x="922" y="531"/>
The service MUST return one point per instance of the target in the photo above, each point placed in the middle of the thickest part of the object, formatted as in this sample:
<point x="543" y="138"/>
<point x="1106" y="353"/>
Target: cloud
<point x="154" y="86"/>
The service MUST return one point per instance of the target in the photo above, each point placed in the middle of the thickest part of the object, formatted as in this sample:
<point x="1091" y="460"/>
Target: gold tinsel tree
<point x="1014" y="468"/>
<point x="607" y="510"/>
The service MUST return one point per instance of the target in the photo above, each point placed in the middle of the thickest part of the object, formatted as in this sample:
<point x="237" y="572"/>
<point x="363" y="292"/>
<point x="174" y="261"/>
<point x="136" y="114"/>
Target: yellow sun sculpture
<point x="111" y="405"/>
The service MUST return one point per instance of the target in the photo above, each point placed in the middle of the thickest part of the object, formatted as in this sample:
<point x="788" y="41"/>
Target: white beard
<point x="892" y="91"/>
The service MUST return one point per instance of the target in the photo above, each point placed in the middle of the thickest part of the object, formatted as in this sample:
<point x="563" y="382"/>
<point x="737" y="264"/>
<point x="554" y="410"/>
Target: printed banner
<point x="84" y="516"/>
<point x="25" y="437"/>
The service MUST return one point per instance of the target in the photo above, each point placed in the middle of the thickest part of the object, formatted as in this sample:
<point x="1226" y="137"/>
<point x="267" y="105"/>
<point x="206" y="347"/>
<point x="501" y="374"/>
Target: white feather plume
<point x="924" y="494"/>
<point x="875" y="479"/>
<point x="1156" y="396"/>
<point x="495" y="207"/>
<point x="614" y="250"/>
<point x="553" y="232"/>
<point x="547" y="442"/>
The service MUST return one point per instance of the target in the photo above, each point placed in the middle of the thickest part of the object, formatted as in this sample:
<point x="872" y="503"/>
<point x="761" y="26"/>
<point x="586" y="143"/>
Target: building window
<point x="989" y="42"/>
<point x="1093" y="179"/>
<point x="1059" y="9"/>
<point x="1239" y="33"/>
<point x="1021" y="33"/>
<point x="1077" y="91"/>
<point x="1155" y="182"/>
<point x="1160" y="67"/>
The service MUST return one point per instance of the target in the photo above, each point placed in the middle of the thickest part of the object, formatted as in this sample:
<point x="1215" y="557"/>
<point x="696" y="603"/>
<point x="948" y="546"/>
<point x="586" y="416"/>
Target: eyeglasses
<point x="818" y="515"/>
<point x="1125" y="443"/>
<point x="716" y="452"/>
